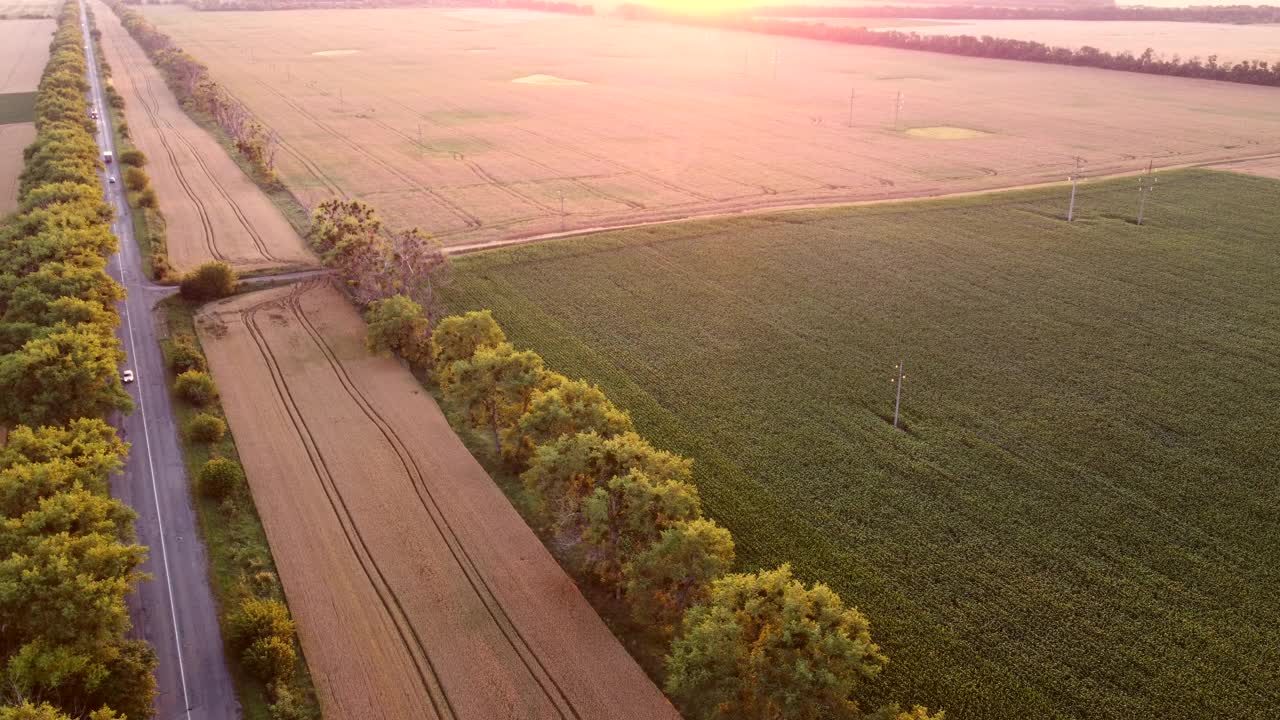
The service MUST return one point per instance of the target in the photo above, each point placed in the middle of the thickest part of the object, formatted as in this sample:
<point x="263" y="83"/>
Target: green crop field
<point x="1081" y="521"/>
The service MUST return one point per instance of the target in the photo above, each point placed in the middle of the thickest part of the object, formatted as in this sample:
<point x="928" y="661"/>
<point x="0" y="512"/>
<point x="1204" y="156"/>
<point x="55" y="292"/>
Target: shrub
<point x="183" y="355"/>
<point x="270" y="658"/>
<point x="207" y="428"/>
<point x="210" y="281"/>
<point x="136" y="180"/>
<point x="146" y="198"/>
<point x="196" y="387"/>
<point x="219" y="477"/>
<point x="256" y="619"/>
<point x="286" y="705"/>
<point x="133" y="157"/>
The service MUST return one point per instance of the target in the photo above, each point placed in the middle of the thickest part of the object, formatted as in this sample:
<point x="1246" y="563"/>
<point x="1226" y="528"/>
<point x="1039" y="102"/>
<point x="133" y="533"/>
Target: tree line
<point x="1222" y="14"/>
<point x="196" y="90"/>
<point x="567" y="8"/>
<point x="741" y="645"/>
<point x="67" y="551"/>
<point x="1254" y="72"/>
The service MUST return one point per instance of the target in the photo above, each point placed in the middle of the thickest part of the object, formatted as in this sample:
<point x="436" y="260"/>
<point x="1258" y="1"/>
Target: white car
<point x="111" y="180"/>
<point x="127" y="376"/>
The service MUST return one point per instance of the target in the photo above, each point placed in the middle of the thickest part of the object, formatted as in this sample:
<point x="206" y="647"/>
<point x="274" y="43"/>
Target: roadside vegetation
<point x="627" y="512"/>
<point x="1078" y="482"/>
<point x="67" y="555"/>
<point x="270" y="672"/>
<point x="1253" y="72"/>
<point x="149" y="227"/>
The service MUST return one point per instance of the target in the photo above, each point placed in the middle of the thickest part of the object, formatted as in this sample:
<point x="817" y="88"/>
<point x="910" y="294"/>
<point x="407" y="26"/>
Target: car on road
<point x="127" y="376"/>
<point x="111" y="180"/>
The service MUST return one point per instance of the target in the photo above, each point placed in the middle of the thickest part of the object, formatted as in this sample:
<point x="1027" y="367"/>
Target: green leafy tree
<point x="567" y="407"/>
<point x="206" y="428"/>
<point x="135" y="179"/>
<point x="459" y="336"/>
<point x="562" y="474"/>
<point x="66" y="374"/>
<point x="674" y="573"/>
<point x="627" y="515"/>
<point x="196" y="387"/>
<point x="219" y="477"/>
<point x="495" y="386"/>
<point x="90" y="446"/>
<point x="397" y="325"/>
<point x="764" y="646"/>
<point x="209" y="281"/>
<point x="45" y="711"/>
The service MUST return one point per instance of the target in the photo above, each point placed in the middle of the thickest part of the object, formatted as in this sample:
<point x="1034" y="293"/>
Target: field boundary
<point x="782" y="209"/>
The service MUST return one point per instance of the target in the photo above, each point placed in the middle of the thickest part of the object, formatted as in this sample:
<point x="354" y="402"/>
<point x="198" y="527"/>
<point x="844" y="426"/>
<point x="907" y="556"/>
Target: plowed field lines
<point x="467" y="616"/>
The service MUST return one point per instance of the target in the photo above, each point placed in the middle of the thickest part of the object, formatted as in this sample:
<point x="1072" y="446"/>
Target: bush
<point x="210" y="281"/>
<point x="183" y="355"/>
<point x="196" y="387"/>
<point x="136" y="180"/>
<point x="219" y="477"/>
<point x="270" y="658"/>
<point x="257" y="619"/>
<point x="146" y="198"/>
<point x="207" y="428"/>
<point x="133" y="157"/>
<point x="285" y="705"/>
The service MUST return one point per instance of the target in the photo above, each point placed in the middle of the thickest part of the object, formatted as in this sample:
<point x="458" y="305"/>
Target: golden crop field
<point x="482" y="125"/>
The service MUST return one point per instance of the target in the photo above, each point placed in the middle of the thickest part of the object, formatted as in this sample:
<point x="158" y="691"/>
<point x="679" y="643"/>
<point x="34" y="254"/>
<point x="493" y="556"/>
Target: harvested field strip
<point x="458" y="643"/>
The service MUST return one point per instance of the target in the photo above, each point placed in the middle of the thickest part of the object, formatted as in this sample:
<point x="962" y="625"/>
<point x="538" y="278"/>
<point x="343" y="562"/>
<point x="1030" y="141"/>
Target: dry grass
<point x="675" y="121"/>
<point x="13" y="138"/>
<point x="213" y="211"/>
<point x="418" y="589"/>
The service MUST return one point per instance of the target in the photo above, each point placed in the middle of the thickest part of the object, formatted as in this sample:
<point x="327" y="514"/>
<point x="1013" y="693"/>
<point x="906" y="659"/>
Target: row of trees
<point x="196" y="90"/>
<point x="747" y="645"/>
<point x="1254" y="72"/>
<point x="67" y="556"/>
<point x="1102" y="11"/>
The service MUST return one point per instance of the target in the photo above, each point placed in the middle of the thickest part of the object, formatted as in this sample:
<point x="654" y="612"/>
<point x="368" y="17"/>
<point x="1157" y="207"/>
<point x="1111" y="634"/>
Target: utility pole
<point x="897" y="401"/>
<point x="852" y="93"/>
<point x="1146" y="184"/>
<point x="1074" y="178"/>
<point x="897" y="110"/>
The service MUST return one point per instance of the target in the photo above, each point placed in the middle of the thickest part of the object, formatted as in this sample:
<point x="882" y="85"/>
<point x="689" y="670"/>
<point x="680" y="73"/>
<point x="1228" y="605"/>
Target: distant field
<point x="28" y="8"/>
<point x="1228" y="42"/>
<point x="1082" y="521"/>
<point x="418" y="112"/>
<point x="24" y="51"/>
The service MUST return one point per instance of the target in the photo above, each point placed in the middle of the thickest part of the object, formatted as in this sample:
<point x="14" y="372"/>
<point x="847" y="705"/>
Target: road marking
<point x="142" y="402"/>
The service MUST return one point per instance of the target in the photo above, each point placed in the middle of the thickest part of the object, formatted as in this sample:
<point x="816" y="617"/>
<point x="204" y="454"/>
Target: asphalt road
<point x="175" y="610"/>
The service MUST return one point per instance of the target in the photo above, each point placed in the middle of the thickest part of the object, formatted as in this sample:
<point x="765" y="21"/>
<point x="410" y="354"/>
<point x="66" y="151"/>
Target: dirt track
<point x="213" y="211"/>
<point x="418" y="589"/>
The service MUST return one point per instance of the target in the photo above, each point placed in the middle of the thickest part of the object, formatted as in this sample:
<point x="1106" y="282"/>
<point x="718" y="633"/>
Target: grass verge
<point x="240" y="560"/>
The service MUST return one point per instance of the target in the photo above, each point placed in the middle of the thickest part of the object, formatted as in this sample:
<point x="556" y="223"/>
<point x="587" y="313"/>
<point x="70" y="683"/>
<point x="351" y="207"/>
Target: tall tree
<point x="459" y="336"/>
<point x="67" y="374"/>
<point x="495" y="386"/>
<point x="398" y="325"/>
<point x="627" y="515"/>
<point x="765" y="647"/>
<point x="675" y="573"/>
<point x="567" y="408"/>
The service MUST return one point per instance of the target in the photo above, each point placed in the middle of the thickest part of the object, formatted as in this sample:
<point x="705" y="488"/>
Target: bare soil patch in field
<point x="13" y="138"/>
<point x="418" y="589"/>
<point x="675" y="121"/>
<point x="213" y="211"/>
<point x="946" y="132"/>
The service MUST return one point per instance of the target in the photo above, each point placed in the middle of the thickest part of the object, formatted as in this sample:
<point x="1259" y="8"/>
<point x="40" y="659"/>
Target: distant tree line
<point x="67" y="551"/>
<point x="1223" y="14"/>
<point x="1254" y="72"/>
<point x="741" y="645"/>
<point x="191" y="83"/>
<point x="567" y="8"/>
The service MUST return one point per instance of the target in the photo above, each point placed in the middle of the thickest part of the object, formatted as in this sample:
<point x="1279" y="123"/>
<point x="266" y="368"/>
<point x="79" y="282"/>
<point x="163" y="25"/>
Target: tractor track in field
<point x="206" y="224"/>
<point x="471" y="220"/>
<point x="479" y="585"/>
<point x="390" y="601"/>
<point x="253" y="233"/>
<point x="315" y="171"/>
